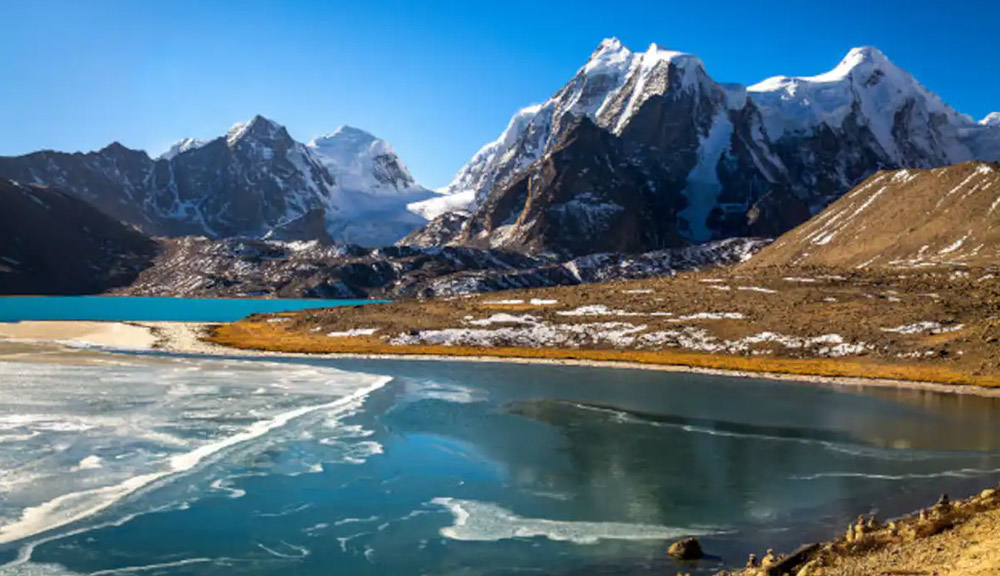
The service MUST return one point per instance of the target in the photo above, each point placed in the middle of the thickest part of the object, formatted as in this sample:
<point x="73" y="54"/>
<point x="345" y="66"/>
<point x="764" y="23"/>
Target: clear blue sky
<point x="436" y="79"/>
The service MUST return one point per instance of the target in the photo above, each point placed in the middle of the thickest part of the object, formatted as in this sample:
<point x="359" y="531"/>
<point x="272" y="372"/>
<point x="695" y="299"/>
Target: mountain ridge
<point x="731" y="160"/>
<point x="252" y="181"/>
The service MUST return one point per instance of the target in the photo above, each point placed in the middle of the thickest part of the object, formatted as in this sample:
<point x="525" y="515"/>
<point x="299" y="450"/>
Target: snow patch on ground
<point x="925" y="326"/>
<point x="597" y="310"/>
<point x="757" y="289"/>
<point x="353" y="332"/>
<point x="503" y="318"/>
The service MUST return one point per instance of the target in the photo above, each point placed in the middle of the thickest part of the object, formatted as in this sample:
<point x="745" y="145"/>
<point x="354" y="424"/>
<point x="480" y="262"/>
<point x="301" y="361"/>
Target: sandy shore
<point x="186" y="338"/>
<point x="120" y="335"/>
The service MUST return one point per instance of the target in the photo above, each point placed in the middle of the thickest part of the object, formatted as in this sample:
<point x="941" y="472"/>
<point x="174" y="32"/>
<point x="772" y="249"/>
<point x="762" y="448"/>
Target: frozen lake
<point x="174" y="465"/>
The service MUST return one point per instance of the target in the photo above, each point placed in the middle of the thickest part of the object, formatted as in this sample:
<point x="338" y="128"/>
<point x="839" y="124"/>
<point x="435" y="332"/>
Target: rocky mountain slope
<point x="55" y="243"/>
<point x="254" y="181"/>
<point x="902" y="219"/>
<point x="199" y="267"/>
<point x="653" y="132"/>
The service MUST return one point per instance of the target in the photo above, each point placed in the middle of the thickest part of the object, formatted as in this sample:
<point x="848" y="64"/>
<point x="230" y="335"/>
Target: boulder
<point x="686" y="549"/>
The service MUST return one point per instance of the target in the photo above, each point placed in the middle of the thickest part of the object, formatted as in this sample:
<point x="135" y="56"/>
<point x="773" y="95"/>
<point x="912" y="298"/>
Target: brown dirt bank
<point x="938" y="326"/>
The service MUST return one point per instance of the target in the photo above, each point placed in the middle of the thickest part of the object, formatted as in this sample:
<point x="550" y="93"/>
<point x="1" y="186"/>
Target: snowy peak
<point x="257" y="128"/>
<point x="609" y="89"/>
<point x="862" y="60"/>
<point x="860" y="64"/>
<point x="181" y="146"/>
<point x="611" y="44"/>
<point x="912" y="125"/>
<point x="991" y="119"/>
<point x="720" y="159"/>
<point x="254" y="181"/>
<point x="348" y="142"/>
<point x="362" y="162"/>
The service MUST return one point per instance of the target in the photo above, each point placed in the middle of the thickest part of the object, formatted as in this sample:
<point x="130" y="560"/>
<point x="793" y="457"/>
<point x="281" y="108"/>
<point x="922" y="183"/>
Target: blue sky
<point x="436" y="79"/>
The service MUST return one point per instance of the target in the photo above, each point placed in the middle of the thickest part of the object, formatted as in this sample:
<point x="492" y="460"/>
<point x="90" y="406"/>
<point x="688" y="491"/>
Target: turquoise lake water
<point x="178" y="466"/>
<point x="125" y="308"/>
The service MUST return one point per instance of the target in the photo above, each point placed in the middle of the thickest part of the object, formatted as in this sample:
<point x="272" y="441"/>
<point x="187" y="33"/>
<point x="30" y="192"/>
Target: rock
<point x="686" y="549"/>
<point x="769" y="559"/>
<point x="988" y="493"/>
<point x="943" y="503"/>
<point x="808" y="569"/>
<point x="788" y="564"/>
<point x="752" y="561"/>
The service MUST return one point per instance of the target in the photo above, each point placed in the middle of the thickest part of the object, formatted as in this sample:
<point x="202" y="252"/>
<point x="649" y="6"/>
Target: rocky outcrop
<point x="55" y="243"/>
<point x="246" y="267"/>
<point x="686" y="549"/>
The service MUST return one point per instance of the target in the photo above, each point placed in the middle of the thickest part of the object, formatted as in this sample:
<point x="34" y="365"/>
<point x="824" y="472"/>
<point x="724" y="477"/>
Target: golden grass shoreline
<point x="272" y="338"/>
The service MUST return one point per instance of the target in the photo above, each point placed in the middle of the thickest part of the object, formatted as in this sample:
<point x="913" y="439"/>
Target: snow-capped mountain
<point x="687" y="159"/>
<point x="374" y="188"/>
<point x="991" y="119"/>
<point x="254" y="181"/>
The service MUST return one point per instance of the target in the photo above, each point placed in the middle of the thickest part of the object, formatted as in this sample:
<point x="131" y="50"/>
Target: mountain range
<point x="644" y="150"/>
<point x="639" y="153"/>
<point x="255" y="181"/>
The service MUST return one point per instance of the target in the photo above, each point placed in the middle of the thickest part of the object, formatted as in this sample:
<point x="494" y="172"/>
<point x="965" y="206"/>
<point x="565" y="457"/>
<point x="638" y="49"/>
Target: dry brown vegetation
<point x="856" y="306"/>
<point x="902" y="219"/>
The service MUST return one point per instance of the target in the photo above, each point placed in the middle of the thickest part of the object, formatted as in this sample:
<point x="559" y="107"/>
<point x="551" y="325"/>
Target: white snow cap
<point x="612" y="54"/>
<point x="347" y="141"/>
<point x="183" y="145"/>
<point x="991" y="119"/>
<point x="865" y="78"/>
<point x="360" y="161"/>
<point x="257" y="126"/>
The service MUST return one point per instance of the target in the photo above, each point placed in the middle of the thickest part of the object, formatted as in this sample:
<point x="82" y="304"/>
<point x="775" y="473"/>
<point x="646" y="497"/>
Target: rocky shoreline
<point x="949" y="538"/>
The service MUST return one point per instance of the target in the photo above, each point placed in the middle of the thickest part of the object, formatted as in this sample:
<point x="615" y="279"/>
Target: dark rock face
<point x="438" y="231"/>
<point x="54" y="243"/>
<point x="309" y="226"/>
<point x="543" y="210"/>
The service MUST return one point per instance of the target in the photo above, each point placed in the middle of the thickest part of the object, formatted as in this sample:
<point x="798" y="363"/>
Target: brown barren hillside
<point x="902" y="219"/>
